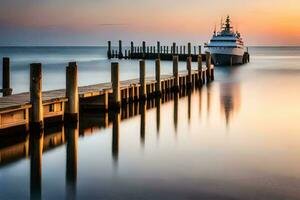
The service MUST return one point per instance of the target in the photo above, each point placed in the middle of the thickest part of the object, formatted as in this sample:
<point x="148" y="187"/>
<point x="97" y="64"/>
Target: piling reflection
<point x="208" y="90"/>
<point x="36" y="151"/>
<point x="189" y="93"/>
<point x="71" y="133"/>
<point x="158" y="105"/>
<point x="176" y="98"/>
<point x="115" y="135"/>
<point x="143" y="121"/>
<point x="92" y="122"/>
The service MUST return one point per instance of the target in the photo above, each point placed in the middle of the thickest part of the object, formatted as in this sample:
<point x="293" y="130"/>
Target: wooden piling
<point x="157" y="77"/>
<point x="142" y="79"/>
<point x="6" y="77"/>
<point x="36" y="117"/>
<point x="195" y="52"/>
<point x="199" y="68"/>
<point x="199" y="51"/>
<point x="109" y="50"/>
<point x="189" y="68"/>
<point x="72" y="107"/>
<point x="208" y="65"/>
<point x="174" y="48"/>
<point x="158" y="47"/>
<point x="175" y="72"/>
<point x="120" y="50"/>
<point x="189" y="49"/>
<point x="116" y="99"/>
<point x="131" y="47"/>
<point x="144" y="49"/>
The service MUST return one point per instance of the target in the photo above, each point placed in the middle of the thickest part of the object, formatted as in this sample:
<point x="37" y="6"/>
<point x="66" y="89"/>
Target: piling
<point x="195" y="52"/>
<point x="199" y="50"/>
<point x="208" y="65"/>
<point x="36" y="118"/>
<point x="175" y="72"/>
<point x="174" y="48"/>
<point x="157" y="77"/>
<point x="144" y="49"/>
<point x="189" y="49"/>
<point x="116" y="99"/>
<point x="109" y="50"/>
<point x="184" y="49"/>
<point x="131" y="47"/>
<point x="189" y="68"/>
<point x="199" y="68"/>
<point x="142" y="79"/>
<point x="158" y="47"/>
<point x="120" y="49"/>
<point x="6" y="77"/>
<point x="72" y="106"/>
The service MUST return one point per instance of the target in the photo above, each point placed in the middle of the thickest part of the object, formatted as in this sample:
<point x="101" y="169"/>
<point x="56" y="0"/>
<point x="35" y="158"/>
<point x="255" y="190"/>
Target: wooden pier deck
<point x="20" y="109"/>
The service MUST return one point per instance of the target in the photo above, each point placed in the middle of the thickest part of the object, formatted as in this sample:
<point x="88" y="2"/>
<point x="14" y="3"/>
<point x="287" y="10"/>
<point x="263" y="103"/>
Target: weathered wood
<point x="208" y="65"/>
<point x="189" y="68"/>
<point x="109" y="50"/>
<point x="189" y="49"/>
<point x="14" y="108"/>
<point x="175" y="72"/>
<point x="144" y="49"/>
<point x="142" y="79"/>
<point x="72" y="106"/>
<point x="174" y="48"/>
<point x="200" y="68"/>
<point x="6" y="77"/>
<point x="36" y="118"/>
<point x="120" y="50"/>
<point x="116" y="100"/>
<point x="157" y="77"/>
<point x="131" y="47"/>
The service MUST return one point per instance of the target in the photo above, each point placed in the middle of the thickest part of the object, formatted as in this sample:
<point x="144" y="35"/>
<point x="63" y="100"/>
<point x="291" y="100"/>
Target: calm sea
<point x="236" y="138"/>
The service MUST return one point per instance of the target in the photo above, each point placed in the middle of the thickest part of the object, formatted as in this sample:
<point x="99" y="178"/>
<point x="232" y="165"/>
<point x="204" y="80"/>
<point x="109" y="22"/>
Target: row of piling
<point x="152" y="52"/>
<point x="117" y="95"/>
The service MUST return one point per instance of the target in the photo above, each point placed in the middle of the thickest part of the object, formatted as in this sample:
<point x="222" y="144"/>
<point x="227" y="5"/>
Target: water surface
<point x="236" y="138"/>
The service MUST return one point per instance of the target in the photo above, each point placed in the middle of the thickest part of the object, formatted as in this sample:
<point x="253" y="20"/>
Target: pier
<point x="160" y="52"/>
<point x="35" y="108"/>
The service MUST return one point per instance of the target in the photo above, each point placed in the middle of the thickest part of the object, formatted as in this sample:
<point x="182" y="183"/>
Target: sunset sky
<point x="93" y="22"/>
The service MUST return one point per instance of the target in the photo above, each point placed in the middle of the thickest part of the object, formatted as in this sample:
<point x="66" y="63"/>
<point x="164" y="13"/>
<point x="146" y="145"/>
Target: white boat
<point x="226" y="47"/>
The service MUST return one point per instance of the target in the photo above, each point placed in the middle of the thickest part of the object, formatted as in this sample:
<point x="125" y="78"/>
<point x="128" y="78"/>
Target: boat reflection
<point x="230" y="100"/>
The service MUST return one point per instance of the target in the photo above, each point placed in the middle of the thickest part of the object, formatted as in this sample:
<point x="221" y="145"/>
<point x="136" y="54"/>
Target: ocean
<point x="236" y="138"/>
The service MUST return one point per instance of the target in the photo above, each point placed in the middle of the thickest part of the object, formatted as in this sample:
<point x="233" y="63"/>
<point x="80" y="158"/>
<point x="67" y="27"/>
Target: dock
<point x="163" y="52"/>
<point x="35" y="108"/>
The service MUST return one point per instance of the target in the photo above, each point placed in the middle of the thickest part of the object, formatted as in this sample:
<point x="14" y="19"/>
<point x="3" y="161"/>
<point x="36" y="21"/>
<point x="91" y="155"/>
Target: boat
<point x="226" y="46"/>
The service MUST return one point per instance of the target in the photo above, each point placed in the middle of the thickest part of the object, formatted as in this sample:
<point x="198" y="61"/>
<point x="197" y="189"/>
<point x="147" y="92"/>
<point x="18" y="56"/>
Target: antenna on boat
<point x="215" y="30"/>
<point x="221" y="23"/>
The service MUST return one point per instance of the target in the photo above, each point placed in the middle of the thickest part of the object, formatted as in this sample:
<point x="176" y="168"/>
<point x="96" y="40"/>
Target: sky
<point x="93" y="22"/>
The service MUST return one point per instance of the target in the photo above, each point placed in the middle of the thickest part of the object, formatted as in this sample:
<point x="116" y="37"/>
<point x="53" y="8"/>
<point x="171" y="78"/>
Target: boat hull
<point x="226" y="59"/>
